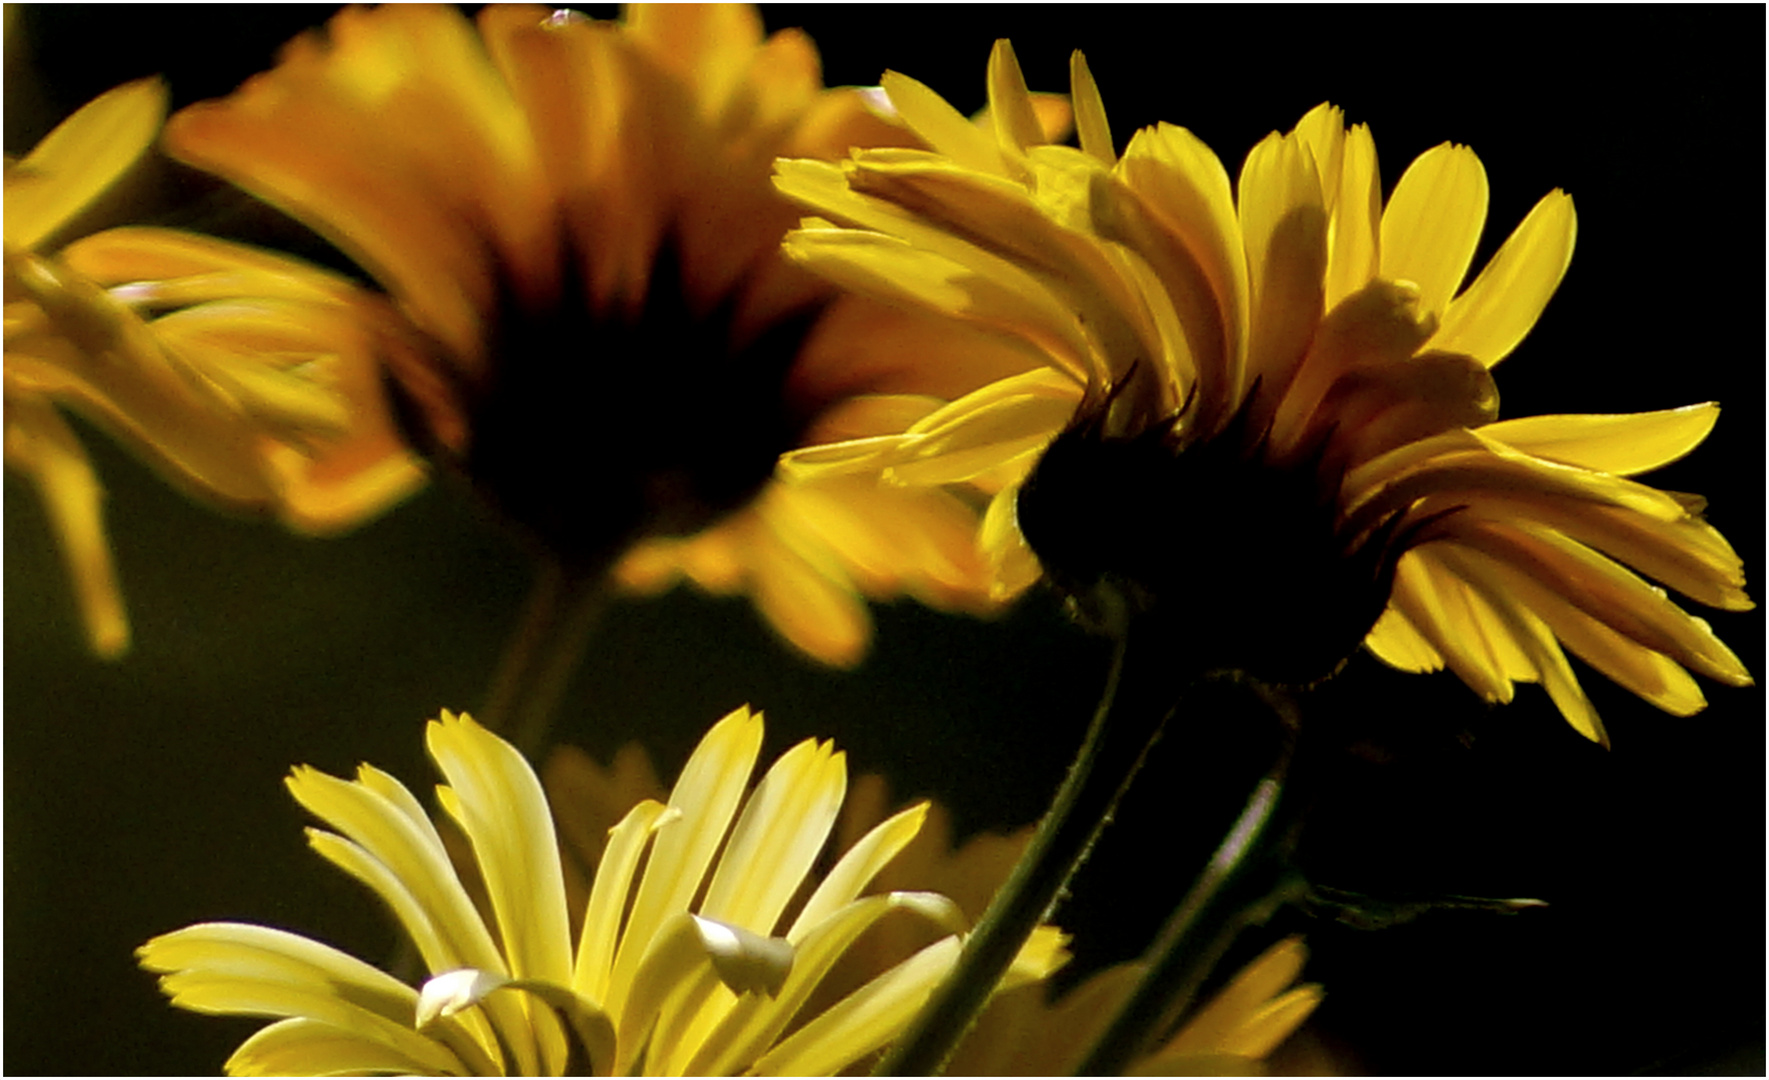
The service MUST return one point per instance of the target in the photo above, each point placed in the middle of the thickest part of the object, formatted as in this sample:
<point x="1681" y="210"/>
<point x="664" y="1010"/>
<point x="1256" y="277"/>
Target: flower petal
<point x="80" y="159"/>
<point x="41" y="445"/>
<point x="783" y="827"/>
<point x="1498" y="310"/>
<point x="1624" y="444"/>
<point x="1433" y="221"/>
<point x="707" y="793"/>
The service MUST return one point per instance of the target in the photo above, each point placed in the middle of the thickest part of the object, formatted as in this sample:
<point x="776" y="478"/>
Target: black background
<point x="145" y="794"/>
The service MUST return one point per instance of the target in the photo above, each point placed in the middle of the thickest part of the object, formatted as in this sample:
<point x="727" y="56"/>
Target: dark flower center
<point x="588" y="432"/>
<point x="1241" y="564"/>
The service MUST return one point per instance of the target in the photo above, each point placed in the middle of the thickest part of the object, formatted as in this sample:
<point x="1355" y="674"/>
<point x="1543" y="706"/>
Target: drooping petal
<point x="40" y="445"/>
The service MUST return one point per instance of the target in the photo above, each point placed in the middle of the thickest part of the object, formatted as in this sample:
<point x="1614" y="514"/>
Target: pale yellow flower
<point x="1230" y="1035"/>
<point x="233" y="372"/>
<point x="577" y="216"/>
<point x="701" y="939"/>
<point x="1277" y="398"/>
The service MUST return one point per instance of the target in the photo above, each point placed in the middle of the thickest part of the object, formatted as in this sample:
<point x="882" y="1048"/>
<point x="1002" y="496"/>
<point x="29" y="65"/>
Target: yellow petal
<point x="1624" y="444"/>
<point x="1183" y="185"/>
<point x="504" y="812"/>
<point x="1397" y="643"/>
<point x="1090" y="111"/>
<point x="609" y="894"/>
<point x="1533" y="637"/>
<point x="863" y="1021"/>
<point x="1498" y="310"/>
<point x="707" y="793"/>
<point x="235" y="969"/>
<point x="1283" y="214"/>
<point x="893" y="270"/>
<point x="302" y="1047"/>
<point x="806" y="597"/>
<point x="40" y="444"/>
<point x="1608" y="593"/>
<point x="1433" y="222"/>
<point x="783" y="827"/>
<point x="1010" y="103"/>
<point x="1016" y="567"/>
<point x="857" y="867"/>
<point x="756" y="1021"/>
<point x="942" y="127"/>
<point x="83" y="156"/>
<point x="1357" y="216"/>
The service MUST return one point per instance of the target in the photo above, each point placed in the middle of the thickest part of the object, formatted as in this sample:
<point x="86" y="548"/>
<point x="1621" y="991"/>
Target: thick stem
<point x="543" y="654"/>
<point x="1231" y="893"/>
<point x="1137" y="698"/>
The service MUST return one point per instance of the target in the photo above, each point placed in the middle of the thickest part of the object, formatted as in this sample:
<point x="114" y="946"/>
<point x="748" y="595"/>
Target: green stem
<point x="1230" y="895"/>
<point x="1137" y="698"/>
<point x="543" y="654"/>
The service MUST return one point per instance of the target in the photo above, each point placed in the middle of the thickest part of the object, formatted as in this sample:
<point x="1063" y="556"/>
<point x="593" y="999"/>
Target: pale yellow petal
<point x="783" y="827"/>
<point x="627" y="842"/>
<point x="857" y="867"/>
<point x="756" y="1021"/>
<point x="707" y="793"/>
<point x="302" y="1047"/>
<point x="864" y="1020"/>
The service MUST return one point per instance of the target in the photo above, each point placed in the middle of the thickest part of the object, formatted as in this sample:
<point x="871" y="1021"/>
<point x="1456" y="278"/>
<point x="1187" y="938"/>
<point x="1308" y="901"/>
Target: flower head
<point x="576" y="217"/>
<point x="234" y="372"/>
<point x="1266" y="408"/>
<point x="693" y="954"/>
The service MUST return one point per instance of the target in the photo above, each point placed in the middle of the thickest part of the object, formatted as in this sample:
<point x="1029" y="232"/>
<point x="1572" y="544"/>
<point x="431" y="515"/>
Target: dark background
<point x="145" y="794"/>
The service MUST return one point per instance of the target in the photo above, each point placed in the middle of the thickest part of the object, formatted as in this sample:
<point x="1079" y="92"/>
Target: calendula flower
<point x="230" y="370"/>
<point x="1230" y="1035"/>
<point x="577" y="217"/>
<point x="1266" y="408"/>
<point x="694" y="953"/>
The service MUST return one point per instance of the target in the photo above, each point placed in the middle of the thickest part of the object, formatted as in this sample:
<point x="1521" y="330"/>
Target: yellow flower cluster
<point x="1295" y="325"/>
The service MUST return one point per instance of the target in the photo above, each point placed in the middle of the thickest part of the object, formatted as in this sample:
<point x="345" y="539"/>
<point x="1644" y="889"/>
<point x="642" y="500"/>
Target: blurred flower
<point x="1271" y="406"/>
<point x="577" y="217"/>
<point x="1231" y="1035"/>
<point x="231" y="371"/>
<point x="689" y="955"/>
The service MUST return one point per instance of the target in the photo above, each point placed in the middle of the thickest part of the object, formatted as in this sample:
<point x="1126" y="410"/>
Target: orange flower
<point x="576" y="216"/>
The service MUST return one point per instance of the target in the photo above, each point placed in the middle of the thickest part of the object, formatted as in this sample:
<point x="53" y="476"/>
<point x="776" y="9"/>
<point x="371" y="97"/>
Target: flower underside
<point x="657" y="422"/>
<point x="1246" y="565"/>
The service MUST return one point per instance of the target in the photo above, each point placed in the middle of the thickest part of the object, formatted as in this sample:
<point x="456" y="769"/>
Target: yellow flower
<point x="1274" y="400"/>
<point x="232" y="371"/>
<point x="693" y="953"/>
<point x="577" y="216"/>
<point x="1231" y="1035"/>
